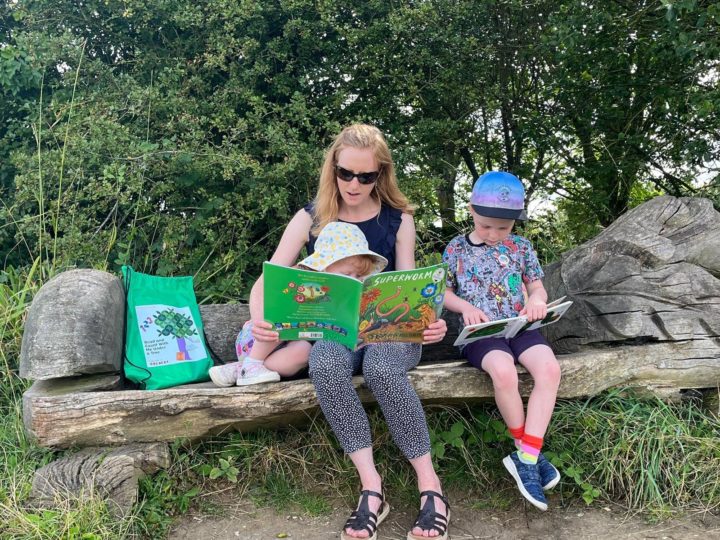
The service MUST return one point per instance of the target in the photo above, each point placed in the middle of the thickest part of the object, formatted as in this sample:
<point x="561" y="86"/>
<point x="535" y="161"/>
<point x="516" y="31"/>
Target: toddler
<point x="341" y="248"/>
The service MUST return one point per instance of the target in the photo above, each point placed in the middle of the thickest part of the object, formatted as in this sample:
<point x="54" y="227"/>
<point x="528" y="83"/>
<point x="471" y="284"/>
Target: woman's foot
<point x="434" y="517"/>
<point x="364" y="521"/>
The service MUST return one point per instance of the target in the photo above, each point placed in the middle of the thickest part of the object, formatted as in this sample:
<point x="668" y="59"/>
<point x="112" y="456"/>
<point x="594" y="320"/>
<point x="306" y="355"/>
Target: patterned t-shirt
<point x="491" y="277"/>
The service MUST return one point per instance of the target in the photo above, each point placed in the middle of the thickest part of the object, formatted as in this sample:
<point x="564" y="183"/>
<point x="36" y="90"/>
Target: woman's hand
<point x="435" y="332"/>
<point x="473" y="315"/>
<point x="262" y="331"/>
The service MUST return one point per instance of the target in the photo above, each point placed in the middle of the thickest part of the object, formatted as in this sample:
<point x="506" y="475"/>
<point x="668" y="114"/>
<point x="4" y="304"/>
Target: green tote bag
<point x="164" y="343"/>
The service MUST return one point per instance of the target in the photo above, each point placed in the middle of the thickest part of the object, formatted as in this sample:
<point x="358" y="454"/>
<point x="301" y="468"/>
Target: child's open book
<point x="390" y="306"/>
<point x="508" y="328"/>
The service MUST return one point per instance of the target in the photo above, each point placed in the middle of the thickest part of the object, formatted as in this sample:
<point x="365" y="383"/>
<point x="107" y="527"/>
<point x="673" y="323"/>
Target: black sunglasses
<point x="364" y="178"/>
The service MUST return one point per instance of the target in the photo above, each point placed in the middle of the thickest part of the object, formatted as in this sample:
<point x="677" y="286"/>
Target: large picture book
<point x="390" y="306"/>
<point x="508" y="328"/>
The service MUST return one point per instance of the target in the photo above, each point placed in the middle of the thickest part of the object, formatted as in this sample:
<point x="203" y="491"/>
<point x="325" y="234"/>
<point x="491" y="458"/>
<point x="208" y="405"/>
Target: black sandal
<point x="363" y="519"/>
<point x="428" y="519"/>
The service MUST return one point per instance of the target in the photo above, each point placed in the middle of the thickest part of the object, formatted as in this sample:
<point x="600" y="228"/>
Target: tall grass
<point x="17" y="288"/>
<point x="649" y="454"/>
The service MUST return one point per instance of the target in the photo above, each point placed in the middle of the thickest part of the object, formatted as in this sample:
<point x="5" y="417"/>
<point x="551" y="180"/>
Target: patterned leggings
<point x="385" y="367"/>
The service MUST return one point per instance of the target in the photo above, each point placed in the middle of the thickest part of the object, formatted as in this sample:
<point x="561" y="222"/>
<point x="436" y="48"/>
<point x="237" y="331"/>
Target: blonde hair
<point x="386" y="190"/>
<point x="366" y="264"/>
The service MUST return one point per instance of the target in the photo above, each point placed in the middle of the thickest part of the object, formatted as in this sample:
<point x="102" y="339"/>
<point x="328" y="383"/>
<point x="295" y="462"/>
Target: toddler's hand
<point x="474" y="316"/>
<point x="262" y="331"/>
<point x="435" y="332"/>
<point x="534" y="310"/>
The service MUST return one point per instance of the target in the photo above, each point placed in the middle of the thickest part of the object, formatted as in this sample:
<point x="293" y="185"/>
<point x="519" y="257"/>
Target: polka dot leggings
<point x="385" y="367"/>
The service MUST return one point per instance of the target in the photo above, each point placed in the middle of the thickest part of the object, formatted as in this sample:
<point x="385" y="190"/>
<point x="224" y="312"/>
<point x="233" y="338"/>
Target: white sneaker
<point x="225" y="375"/>
<point x="255" y="373"/>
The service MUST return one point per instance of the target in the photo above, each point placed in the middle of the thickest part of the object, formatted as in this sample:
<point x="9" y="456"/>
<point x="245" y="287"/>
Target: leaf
<point x="192" y="492"/>
<point x="215" y="473"/>
<point x="457" y="429"/>
<point x="488" y="436"/>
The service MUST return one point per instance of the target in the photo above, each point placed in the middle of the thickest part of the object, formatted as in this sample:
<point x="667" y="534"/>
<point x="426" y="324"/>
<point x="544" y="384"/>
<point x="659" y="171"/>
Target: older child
<point x="487" y="269"/>
<point x="341" y="248"/>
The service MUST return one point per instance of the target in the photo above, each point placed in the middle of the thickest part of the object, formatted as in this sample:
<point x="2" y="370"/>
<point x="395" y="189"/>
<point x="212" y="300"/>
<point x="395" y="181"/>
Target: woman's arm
<point x="405" y="244"/>
<point x="405" y="260"/>
<point x="296" y="235"/>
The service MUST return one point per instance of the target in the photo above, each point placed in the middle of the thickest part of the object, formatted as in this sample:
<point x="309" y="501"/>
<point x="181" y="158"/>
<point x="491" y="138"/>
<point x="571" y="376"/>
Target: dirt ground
<point x="526" y="523"/>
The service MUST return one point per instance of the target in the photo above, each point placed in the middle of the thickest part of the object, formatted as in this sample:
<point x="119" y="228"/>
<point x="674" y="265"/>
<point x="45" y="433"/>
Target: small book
<point x="508" y="328"/>
<point x="390" y="306"/>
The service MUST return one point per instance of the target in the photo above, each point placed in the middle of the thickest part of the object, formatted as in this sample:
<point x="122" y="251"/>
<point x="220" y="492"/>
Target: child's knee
<point x="504" y="375"/>
<point x="549" y="373"/>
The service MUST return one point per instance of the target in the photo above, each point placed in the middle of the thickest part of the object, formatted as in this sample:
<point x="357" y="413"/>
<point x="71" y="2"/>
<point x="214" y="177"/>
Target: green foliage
<point x="224" y="469"/>
<point x="181" y="140"/>
<point x="453" y="438"/>
<point x="576" y="473"/>
<point x="653" y="455"/>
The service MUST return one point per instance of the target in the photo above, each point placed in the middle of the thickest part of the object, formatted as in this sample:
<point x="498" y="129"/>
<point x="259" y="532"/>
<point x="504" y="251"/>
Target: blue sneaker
<point x="549" y="475"/>
<point x="527" y="477"/>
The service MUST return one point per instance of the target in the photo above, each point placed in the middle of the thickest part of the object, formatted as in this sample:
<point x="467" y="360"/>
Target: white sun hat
<point x="338" y="241"/>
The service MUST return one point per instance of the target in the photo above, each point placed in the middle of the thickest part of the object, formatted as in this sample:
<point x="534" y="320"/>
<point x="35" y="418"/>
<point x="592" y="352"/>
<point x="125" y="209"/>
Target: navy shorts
<point x="476" y="351"/>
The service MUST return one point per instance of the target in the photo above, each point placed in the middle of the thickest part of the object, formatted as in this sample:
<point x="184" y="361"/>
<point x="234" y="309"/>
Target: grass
<point x="651" y="455"/>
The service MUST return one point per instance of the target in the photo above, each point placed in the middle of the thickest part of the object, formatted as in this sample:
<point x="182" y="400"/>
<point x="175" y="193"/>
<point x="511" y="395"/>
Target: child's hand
<point x="435" y="332"/>
<point x="535" y="309"/>
<point x="473" y="315"/>
<point x="262" y="331"/>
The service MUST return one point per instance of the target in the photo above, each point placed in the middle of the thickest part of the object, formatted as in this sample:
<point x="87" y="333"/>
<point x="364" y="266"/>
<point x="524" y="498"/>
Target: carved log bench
<point x="94" y="410"/>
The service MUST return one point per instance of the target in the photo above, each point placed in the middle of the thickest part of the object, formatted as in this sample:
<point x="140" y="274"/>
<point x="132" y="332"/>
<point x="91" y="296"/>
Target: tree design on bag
<point x="171" y="323"/>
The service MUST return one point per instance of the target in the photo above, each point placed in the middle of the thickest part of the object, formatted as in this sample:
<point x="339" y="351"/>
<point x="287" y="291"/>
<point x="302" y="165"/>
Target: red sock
<point x="517" y="435"/>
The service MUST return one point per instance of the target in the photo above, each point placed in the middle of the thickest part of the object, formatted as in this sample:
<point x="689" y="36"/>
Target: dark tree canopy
<point x="181" y="136"/>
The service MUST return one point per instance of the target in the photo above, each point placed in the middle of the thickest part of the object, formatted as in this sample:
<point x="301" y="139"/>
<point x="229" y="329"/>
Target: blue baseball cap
<point x="499" y="194"/>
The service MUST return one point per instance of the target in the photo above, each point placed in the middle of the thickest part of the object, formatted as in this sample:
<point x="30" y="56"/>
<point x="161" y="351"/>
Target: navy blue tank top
<point x="380" y="231"/>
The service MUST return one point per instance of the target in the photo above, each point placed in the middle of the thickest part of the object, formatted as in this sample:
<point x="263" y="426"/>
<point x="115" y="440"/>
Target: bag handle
<point x="127" y="274"/>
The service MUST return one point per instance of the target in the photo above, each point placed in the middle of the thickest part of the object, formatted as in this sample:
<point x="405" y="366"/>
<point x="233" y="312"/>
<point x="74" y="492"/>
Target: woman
<point x="358" y="185"/>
